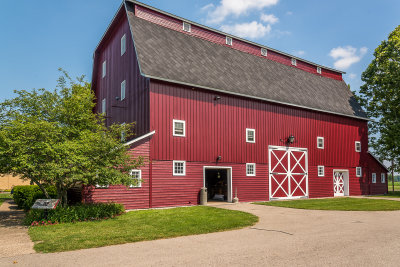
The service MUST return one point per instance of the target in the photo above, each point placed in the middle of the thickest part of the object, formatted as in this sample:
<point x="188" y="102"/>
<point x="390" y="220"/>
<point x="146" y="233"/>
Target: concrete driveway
<point x="283" y="237"/>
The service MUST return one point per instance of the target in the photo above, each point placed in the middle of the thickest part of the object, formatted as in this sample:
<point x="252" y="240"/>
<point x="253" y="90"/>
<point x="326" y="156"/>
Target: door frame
<point x="228" y="178"/>
<point x="346" y="182"/>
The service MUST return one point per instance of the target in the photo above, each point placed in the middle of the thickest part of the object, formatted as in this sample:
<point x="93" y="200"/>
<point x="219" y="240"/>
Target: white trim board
<point x="139" y="138"/>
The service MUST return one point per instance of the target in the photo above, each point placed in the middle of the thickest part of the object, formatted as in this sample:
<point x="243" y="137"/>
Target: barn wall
<point x="378" y="187"/>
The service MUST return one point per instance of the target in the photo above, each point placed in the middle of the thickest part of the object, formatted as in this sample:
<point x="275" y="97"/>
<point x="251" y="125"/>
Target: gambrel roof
<point x="169" y="55"/>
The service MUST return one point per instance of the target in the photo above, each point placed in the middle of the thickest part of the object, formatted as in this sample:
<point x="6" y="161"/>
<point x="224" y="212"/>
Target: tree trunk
<point x="41" y="187"/>
<point x="64" y="200"/>
<point x="393" y="175"/>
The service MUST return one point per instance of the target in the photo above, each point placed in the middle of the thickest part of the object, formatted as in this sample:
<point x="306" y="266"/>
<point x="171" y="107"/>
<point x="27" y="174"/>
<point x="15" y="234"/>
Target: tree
<point x="380" y="95"/>
<point x="54" y="138"/>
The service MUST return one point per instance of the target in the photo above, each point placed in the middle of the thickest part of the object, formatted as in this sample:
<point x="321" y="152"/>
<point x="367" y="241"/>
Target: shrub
<point x="79" y="213"/>
<point x="25" y="195"/>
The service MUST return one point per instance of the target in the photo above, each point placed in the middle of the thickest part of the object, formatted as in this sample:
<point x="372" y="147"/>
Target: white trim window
<point x="123" y="44"/>
<point x="358" y="171"/>
<point x="179" y="168"/>
<point x="374" y="178"/>
<point x="294" y="62"/>
<point x="179" y="128"/>
<point x="320" y="142"/>
<point x="383" y="178"/>
<point x="321" y="171"/>
<point x="103" y="106"/>
<point x="136" y="176"/>
<point x="358" y="146"/>
<point x="123" y="89"/>
<point x="250" y="169"/>
<point x="319" y="70"/>
<point x="104" y="69"/>
<point x="228" y="40"/>
<point x="186" y="27"/>
<point x="250" y="135"/>
<point x="264" y="51"/>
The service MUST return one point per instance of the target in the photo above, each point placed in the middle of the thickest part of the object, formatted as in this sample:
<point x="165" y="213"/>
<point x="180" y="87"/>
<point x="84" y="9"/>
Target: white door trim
<point x="346" y="182"/>
<point x="228" y="177"/>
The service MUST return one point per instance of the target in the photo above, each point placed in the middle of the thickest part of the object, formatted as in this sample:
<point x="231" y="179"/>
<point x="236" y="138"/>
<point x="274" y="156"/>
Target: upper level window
<point x="358" y="146"/>
<point x="103" y="106"/>
<point x="250" y="135"/>
<point x="123" y="44"/>
<point x="383" y="178"/>
<point x="358" y="171"/>
<point x="320" y="142"/>
<point x="294" y="62"/>
<point x="319" y="70"/>
<point x="228" y="40"/>
<point x="250" y="169"/>
<point x="123" y="88"/>
<point x="179" y="168"/>
<point x="104" y="68"/>
<point x="179" y="128"/>
<point x="321" y="171"/>
<point x="187" y="27"/>
<point x="264" y="52"/>
<point x="136" y="178"/>
<point x="374" y="178"/>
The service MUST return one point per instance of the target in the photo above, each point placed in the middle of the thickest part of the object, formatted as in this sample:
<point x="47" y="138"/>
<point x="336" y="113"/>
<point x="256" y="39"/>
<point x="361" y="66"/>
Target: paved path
<point x="14" y="239"/>
<point x="283" y="237"/>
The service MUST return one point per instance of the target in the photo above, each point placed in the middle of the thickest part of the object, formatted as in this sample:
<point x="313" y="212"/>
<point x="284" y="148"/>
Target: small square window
<point x="250" y="135"/>
<point x="264" y="52"/>
<point x="358" y="146"/>
<point x="179" y="128"/>
<point x="320" y="142"/>
<point x="383" y="178"/>
<point x="294" y="62"/>
<point x="136" y="178"/>
<point x="321" y="171"/>
<point x="319" y="70"/>
<point x="103" y="106"/>
<point x="123" y="44"/>
<point x="187" y="27"/>
<point x="228" y="40"/>
<point x="250" y="169"/>
<point x="358" y="171"/>
<point x="104" y="68"/>
<point x="179" y="168"/>
<point x="123" y="88"/>
<point x="374" y="178"/>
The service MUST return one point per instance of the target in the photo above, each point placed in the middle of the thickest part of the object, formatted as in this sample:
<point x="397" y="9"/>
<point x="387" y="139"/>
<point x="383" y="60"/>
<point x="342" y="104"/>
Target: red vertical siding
<point x="378" y="187"/>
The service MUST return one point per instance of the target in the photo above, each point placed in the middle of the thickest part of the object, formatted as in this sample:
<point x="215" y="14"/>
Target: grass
<point x="390" y="194"/>
<point x="4" y="196"/>
<point x="138" y="226"/>
<point x="396" y="186"/>
<point x="345" y="204"/>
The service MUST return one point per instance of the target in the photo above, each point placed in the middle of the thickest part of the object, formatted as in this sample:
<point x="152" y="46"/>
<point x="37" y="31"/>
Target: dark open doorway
<point x="216" y="181"/>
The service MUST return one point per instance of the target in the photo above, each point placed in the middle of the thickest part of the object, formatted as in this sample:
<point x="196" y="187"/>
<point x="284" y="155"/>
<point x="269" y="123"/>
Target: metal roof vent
<point x="187" y="27"/>
<point x="264" y="52"/>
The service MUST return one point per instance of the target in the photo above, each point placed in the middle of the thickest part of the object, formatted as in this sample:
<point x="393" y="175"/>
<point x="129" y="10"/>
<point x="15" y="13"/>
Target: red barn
<point x="237" y="117"/>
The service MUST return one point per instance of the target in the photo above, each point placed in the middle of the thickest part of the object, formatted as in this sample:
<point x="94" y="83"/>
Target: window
<point x="358" y="171"/>
<point x="358" y="146"/>
<point x="123" y="44"/>
<point x="320" y="142"/>
<point x="321" y="171"/>
<point x="179" y="168"/>
<point x="123" y="86"/>
<point x="383" y="180"/>
<point x="264" y="52"/>
<point x="187" y="27"/>
<point x="104" y="68"/>
<point x="319" y="70"/>
<point x="136" y="178"/>
<point x="179" y="128"/>
<point x="250" y="169"/>
<point x="228" y="40"/>
<point x="103" y="106"/>
<point x="250" y="135"/>
<point x="374" y="178"/>
<point x="294" y="62"/>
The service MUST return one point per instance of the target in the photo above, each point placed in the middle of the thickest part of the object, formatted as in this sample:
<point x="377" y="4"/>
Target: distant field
<point x="396" y="186"/>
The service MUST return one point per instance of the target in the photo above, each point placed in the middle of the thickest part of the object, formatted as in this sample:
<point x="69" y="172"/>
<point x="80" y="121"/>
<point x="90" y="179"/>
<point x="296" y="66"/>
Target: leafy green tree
<point x="380" y="95"/>
<point x="55" y="138"/>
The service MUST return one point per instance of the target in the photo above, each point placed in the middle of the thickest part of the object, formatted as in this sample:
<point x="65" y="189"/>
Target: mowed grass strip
<point x="4" y="196"/>
<point x="138" y="226"/>
<point x="392" y="194"/>
<point x="341" y="203"/>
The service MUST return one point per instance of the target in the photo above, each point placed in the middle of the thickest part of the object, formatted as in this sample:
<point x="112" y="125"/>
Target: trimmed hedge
<point x="79" y="213"/>
<point x="25" y="195"/>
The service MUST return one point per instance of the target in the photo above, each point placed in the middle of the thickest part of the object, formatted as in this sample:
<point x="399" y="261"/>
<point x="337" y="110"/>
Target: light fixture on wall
<point x="289" y="140"/>
<point x="216" y="98"/>
<point x="219" y="158"/>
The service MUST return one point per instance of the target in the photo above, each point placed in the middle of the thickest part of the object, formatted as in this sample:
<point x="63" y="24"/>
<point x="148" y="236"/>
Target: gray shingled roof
<point x="171" y="55"/>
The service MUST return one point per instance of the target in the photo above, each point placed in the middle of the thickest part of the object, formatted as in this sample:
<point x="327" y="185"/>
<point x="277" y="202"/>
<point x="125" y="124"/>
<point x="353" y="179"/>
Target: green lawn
<point x="396" y="186"/>
<point x="4" y="196"/>
<point x="138" y="226"/>
<point x="390" y="194"/>
<point x="346" y="204"/>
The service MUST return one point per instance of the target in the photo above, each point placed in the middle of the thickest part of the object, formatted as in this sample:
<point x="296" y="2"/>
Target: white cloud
<point x="269" y="18"/>
<point x="252" y="30"/>
<point x="237" y="8"/>
<point x="289" y="13"/>
<point x="352" y="75"/>
<point x="300" y="53"/>
<point x="207" y="7"/>
<point x="346" y="56"/>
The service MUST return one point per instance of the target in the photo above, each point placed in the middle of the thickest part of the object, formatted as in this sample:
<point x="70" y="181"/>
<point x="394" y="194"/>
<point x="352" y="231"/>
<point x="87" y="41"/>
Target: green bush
<point x="79" y="213"/>
<point x="25" y="195"/>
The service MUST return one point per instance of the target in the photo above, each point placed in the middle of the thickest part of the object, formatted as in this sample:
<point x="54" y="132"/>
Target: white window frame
<point x="320" y="167"/>
<point x="264" y="51"/>
<point x="254" y="169"/>
<point x="357" y="170"/>
<point x="247" y="135"/>
<point x="374" y="178"/>
<point x="104" y="69"/>
<point x="323" y="142"/>
<point x="294" y="62"/>
<point x="184" y="128"/>
<point x="123" y="90"/>
<point x="184" y="167"/>
<point x="139" y="178"/>
<point x="357" y="143"/>
<point x="229" y="40"/>
<point x="383" y="178"/>
<point x="188" y="24"/>
<point x="123" y="44"/>
<point x="104" y="106"/>
<point x="319" y="70"/>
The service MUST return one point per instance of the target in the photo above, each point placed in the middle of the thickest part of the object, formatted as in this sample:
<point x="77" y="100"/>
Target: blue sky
<point x="38" y="37"/>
